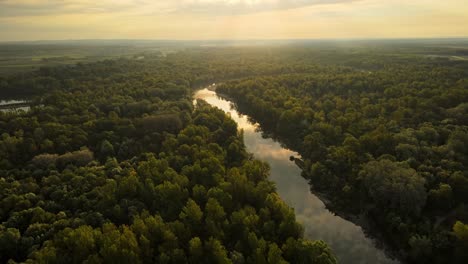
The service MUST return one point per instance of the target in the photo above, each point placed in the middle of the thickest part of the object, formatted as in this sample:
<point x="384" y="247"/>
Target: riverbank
<point x="369" y="226"/>
<point x="364" y="221"/>
<point x="348" y="240"/>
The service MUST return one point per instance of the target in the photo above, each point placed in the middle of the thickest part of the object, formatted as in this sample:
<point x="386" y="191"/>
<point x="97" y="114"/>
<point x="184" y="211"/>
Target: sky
<point x="231" y="19"/>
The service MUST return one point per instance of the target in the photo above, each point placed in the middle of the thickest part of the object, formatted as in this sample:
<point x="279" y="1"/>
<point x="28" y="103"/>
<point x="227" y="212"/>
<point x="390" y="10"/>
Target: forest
<point x="114" y="164"/>
<point x="386" y="139"/>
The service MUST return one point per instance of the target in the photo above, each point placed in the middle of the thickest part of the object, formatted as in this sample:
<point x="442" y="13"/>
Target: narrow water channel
<point x="14" y="105"/>
<point x="346" y="239"/>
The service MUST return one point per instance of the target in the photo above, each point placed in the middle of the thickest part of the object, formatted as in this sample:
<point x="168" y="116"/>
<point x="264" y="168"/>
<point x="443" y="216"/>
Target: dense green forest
<point x="113" y="163"/>
<point x="385" y="136"/>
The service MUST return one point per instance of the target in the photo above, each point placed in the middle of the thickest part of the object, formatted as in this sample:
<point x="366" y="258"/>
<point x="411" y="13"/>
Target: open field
<point x="28" y="56"/>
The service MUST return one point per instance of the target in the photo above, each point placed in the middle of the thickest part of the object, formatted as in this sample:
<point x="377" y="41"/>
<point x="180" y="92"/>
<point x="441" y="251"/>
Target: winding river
<point x="347" y="240"/>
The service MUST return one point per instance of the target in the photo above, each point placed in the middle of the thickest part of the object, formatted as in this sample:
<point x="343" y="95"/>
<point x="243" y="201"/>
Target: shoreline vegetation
<point x="362" y="220"/>
<point x="359" y="220"/>
<point x="340" y="156"/>
<point x="107" y="144"/>
<point x="114" y="164"/>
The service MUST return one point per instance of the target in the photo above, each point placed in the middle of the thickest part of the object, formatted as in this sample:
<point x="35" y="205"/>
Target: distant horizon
<point x="237" y="40"/>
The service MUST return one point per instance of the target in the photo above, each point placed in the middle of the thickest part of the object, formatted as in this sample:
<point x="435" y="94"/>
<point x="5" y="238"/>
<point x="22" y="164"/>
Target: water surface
<point x="346" y="239"/>
<point x="13" y="105"/>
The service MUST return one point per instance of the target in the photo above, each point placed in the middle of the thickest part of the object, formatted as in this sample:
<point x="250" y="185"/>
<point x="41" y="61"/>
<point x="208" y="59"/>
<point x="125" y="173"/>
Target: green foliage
<point x="380" y="133"/>
<point x="395" y="187"/>
<point x="461" y="233"/>
<point x="113" y="165"/>
<point x="113" y="156"/>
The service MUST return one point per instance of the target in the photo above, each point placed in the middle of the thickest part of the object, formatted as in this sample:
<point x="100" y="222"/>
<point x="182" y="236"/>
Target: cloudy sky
<point x="231" y="19"/>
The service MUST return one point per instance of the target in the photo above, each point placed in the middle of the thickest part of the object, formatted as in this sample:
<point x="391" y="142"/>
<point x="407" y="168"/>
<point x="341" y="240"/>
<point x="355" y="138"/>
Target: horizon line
<point x="237" y="40"/>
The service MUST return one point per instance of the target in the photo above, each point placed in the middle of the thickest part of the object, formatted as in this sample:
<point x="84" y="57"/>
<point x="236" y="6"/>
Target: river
<point x="347" y="240"/>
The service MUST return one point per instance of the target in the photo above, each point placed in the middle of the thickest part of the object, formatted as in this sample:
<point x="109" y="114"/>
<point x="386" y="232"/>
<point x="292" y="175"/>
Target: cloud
<point x="9" y="8"/>
<point x="249" y="6"/>
<point x="230" y="19"/>
<point x="12" y="8"/>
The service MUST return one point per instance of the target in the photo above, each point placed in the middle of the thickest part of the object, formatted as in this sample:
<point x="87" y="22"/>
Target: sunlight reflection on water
<point x="346" y="239"/>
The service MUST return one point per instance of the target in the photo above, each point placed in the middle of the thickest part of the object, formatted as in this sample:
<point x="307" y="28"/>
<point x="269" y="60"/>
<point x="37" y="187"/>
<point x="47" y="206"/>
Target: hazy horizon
<point x="199" y="20"/>
<point x="290" y="40"/>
